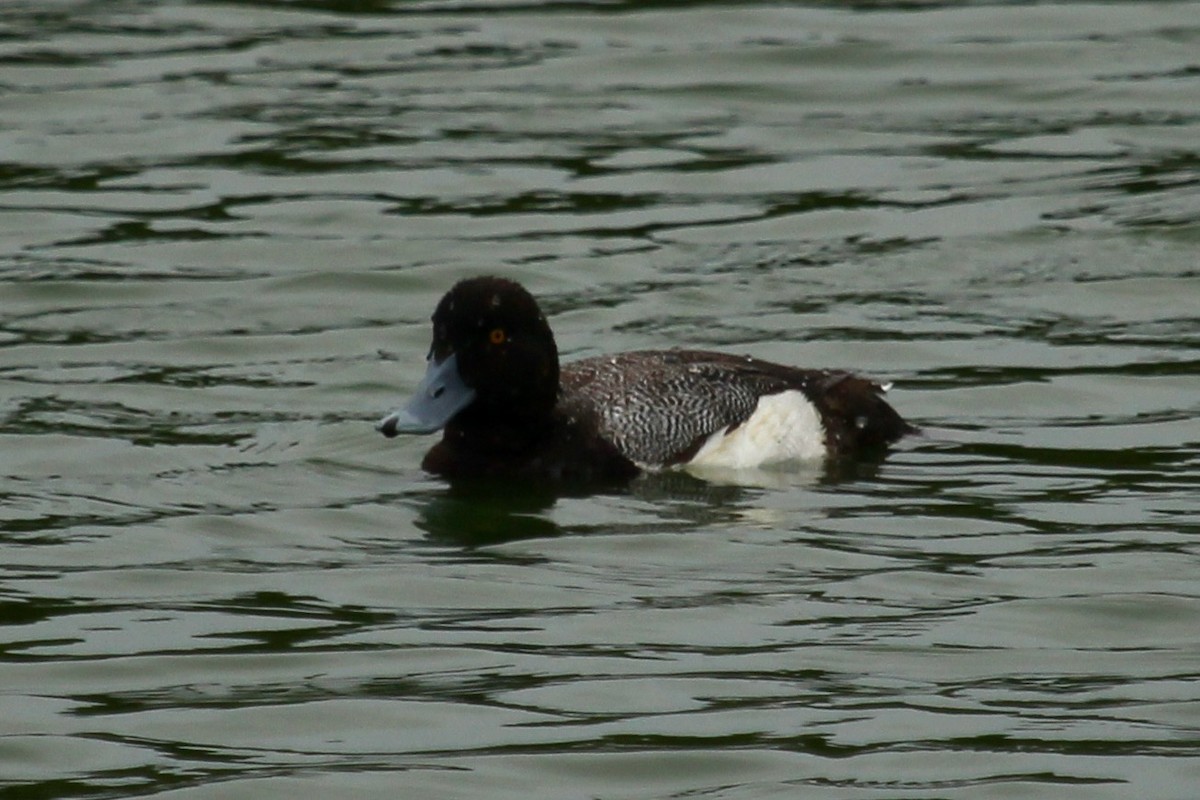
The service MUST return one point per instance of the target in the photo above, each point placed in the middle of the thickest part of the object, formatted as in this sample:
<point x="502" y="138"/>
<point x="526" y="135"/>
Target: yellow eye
<point x="497" y="336"/>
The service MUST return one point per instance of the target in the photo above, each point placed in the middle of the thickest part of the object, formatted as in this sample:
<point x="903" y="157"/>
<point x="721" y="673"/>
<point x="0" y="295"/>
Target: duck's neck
<point x="495" y="435"/>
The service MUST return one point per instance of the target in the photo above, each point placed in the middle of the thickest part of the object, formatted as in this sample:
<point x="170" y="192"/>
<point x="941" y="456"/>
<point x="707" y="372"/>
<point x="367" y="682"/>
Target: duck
<point x="508" y="410"/>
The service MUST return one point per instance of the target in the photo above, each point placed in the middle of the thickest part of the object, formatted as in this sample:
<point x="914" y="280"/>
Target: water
<point x="224" y="228"/>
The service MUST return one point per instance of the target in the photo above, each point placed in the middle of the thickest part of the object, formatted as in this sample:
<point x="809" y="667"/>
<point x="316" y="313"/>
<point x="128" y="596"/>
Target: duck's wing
<point x="660" y="407"/>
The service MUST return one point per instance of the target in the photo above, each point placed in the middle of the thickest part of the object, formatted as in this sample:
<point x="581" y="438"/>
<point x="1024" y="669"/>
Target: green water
<point x="223" y="227"/>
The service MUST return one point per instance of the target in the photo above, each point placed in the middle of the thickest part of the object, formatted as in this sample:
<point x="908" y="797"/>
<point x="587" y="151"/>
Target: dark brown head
<point x="493" y="363"/>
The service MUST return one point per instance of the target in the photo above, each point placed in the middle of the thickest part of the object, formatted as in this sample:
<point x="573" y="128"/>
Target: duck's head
<point x="493" y="361"/>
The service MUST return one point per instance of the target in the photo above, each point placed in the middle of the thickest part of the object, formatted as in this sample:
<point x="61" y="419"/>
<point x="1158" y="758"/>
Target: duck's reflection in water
<point x="481" y="513"/>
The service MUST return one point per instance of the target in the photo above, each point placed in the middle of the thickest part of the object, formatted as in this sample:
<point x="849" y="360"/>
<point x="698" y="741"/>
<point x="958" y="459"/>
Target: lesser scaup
<point x="494" y="384"/>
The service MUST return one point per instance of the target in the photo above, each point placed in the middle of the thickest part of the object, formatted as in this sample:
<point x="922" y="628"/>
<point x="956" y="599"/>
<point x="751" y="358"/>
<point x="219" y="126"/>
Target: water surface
<point x="225" y="225"/>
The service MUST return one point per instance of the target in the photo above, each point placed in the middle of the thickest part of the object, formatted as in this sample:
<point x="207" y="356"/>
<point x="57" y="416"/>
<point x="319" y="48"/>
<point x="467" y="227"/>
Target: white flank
<point x="783" y="427"/>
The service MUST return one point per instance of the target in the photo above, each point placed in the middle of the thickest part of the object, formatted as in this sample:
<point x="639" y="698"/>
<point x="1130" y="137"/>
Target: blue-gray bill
<point x="440" y="395"/>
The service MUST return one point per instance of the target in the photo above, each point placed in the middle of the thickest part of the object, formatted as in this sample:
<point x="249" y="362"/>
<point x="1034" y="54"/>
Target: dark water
<point x="223" y="227"/>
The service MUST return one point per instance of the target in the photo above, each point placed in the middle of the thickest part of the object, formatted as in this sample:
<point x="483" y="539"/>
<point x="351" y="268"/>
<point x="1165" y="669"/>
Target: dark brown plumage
<point x="521" y="415"/>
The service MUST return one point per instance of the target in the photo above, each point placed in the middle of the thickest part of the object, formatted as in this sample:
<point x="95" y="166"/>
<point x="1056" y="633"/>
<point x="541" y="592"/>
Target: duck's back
<point x="661" y="408"/>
